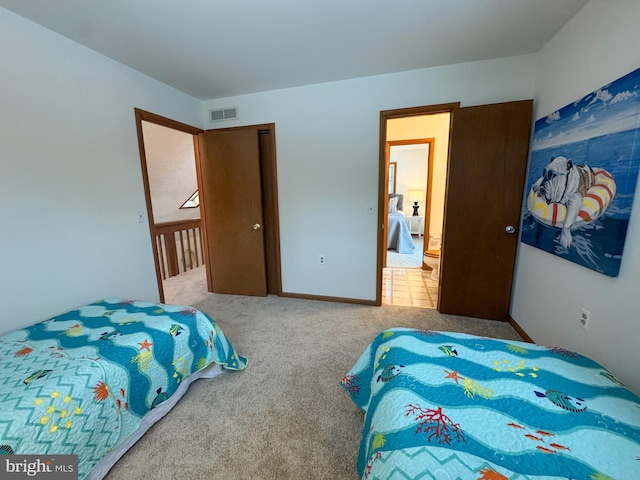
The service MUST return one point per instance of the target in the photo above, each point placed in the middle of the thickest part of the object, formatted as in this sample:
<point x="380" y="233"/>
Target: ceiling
<point x="219" y="48"/>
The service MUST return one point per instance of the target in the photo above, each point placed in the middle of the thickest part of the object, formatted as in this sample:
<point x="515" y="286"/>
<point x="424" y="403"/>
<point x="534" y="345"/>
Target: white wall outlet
<point x="140" y="216"/>
<point x="322" y="259"/>
<point x="585" y="315"/>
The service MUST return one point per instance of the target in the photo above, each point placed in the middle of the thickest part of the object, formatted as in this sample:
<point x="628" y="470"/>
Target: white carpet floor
<point x="285" y="417"/>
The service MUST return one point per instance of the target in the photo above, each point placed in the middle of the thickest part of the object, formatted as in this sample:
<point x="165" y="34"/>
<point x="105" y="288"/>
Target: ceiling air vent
<point x="230" y="113"/>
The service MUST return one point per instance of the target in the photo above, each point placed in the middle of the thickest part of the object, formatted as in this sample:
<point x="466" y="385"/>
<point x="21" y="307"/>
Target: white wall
<point x="171" y="168"/>
<point x="600" y="44"/>
<point x="70" y="177"/>
<point x="411" y="173"/>
<point x="327" y="139"/>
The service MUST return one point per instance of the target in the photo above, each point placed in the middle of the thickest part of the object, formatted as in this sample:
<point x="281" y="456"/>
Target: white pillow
<point x="393" y="204"/>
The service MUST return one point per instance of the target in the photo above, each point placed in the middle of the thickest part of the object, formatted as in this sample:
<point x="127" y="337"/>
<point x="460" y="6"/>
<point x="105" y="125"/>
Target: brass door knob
<point x="257" y="226"/>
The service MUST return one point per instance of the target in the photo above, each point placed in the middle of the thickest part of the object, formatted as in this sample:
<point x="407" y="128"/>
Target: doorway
<point x="264" y="193"/>
<point x="416" y="153"/>
<point x="407" y="281"/>
<point x="165" y="251"/>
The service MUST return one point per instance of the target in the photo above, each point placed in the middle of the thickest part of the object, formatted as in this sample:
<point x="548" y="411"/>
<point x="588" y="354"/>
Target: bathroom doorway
<point x="416" y="151"/>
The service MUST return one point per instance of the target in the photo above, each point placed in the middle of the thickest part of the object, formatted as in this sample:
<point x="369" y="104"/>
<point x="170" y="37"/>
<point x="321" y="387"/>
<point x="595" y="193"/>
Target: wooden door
<point x="486" y="174"/>
<point x="231" y="188"/>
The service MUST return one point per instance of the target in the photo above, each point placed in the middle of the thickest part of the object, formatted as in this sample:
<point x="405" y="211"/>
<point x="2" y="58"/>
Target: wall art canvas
<point x="583" y="170"/>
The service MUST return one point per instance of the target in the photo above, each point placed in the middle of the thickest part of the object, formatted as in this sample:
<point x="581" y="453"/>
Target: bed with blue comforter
<point x="441" y="405"/>
<point x="81" y="382"/>
<point x="398" y="234"/>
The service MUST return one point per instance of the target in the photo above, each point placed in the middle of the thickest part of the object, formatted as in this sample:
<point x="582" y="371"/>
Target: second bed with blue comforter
<point x="442" y="405"/>
<point x="80" y="383"/>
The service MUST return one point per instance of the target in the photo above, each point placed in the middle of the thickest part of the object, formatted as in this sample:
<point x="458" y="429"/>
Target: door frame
<point x="142" y="115"/>
<point x="383" y="176"/>
<point x="427" y="214"/>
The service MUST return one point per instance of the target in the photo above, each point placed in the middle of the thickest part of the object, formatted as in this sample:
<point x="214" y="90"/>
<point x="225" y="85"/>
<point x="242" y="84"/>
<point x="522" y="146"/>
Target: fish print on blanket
<point x="80" y="382"/>
<point x="488" y="409"/>
<point x="390" y="372"/>
<point x="6" y="450"/>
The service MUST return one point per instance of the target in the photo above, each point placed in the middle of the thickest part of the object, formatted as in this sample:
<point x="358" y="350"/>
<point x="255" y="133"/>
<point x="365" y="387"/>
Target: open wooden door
<point x="487" y="164"/>
<point x="233" y="199"/>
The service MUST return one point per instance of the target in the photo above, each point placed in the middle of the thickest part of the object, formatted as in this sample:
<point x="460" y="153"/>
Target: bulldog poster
<point x="583" y="170"/>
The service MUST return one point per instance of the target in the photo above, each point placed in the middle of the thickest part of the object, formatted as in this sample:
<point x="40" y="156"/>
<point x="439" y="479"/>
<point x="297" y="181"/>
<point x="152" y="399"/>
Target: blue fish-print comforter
<point x="443" y="405"/>
<point x="79" y="383"/>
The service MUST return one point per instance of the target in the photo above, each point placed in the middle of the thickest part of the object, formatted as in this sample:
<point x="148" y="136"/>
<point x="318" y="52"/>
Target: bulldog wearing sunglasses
<point x="566" y="183"/>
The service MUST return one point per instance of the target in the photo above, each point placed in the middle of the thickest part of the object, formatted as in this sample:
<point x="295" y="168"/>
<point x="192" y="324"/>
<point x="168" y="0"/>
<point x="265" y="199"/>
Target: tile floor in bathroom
<point x="409" y="287"/>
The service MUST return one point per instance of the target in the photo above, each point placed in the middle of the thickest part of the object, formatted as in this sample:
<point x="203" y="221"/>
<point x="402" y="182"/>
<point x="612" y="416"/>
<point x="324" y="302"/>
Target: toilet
<point x="431" y="256"/>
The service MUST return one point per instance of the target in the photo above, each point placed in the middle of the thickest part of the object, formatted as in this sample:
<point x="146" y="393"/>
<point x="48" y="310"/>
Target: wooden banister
<point x="179" y="246"/>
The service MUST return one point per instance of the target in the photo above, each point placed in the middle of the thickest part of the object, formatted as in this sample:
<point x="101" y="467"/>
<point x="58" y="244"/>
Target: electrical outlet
<point x="321" y="259"/>
<point x="584" y="318"/>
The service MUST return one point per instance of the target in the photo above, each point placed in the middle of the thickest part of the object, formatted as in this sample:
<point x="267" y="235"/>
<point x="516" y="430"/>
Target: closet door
<point x="487" y="165"/>
<point x="233" y="211"/>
